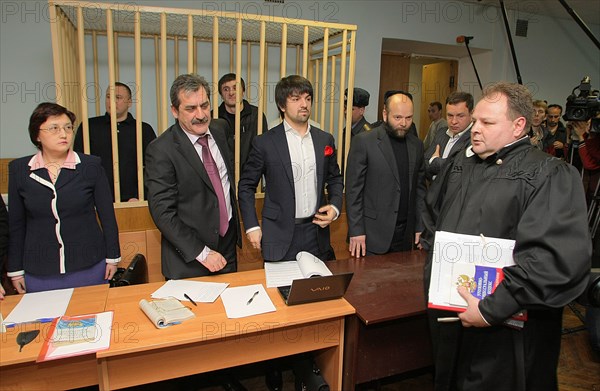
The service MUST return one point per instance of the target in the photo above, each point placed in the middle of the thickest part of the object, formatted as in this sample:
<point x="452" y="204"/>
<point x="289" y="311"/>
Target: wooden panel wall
<point x="4" y="175"/>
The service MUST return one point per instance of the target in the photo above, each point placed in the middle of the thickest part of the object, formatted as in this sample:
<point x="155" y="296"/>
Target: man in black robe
<point x="504" y="187"/>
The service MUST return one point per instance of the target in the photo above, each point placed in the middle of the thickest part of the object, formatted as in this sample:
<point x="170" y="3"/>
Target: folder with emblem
<point x="308" y="290"/>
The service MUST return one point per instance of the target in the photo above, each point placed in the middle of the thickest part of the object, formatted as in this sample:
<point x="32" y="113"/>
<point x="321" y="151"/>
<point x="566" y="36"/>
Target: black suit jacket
<point x="3" y="232"/>
<point x="270" y="157"/>
<point x="373" y="189"/>
<point x="441" y="139"/>
<point x="182" y="200"/>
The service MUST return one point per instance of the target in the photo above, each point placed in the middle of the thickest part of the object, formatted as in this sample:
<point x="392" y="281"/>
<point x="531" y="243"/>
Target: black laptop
<point x="308" y="290"/>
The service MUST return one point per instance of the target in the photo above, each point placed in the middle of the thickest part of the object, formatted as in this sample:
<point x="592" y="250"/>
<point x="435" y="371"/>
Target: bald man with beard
<point x="385" y="183"/>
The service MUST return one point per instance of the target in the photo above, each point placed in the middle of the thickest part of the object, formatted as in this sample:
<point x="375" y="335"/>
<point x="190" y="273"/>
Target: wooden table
<point x="19" y="371"/>
<point x="141" y="353"/>
<point x="388" y="335"/>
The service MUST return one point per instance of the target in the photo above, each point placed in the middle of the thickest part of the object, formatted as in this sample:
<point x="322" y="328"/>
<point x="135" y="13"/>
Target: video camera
<point x="585" y="105"/>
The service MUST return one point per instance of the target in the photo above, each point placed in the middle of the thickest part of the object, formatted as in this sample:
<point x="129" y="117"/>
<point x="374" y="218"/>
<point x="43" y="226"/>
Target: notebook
<point x="308" y="290"/>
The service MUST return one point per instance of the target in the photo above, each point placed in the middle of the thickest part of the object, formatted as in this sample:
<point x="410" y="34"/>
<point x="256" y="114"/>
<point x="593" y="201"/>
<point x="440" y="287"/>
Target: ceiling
<point x="588" y="10"/>
<point x="427" y="52"/>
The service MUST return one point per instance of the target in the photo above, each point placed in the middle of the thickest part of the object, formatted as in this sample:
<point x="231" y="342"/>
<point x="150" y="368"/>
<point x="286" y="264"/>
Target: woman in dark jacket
<point x="55" y="240"/>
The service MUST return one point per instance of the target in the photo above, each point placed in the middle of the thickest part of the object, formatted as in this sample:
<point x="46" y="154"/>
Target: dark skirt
<point x="91" y="276"/>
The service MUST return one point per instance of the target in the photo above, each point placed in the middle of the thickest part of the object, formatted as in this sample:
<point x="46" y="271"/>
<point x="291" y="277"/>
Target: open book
<point x="306" y="265"/>
<point x="167" y="312"/>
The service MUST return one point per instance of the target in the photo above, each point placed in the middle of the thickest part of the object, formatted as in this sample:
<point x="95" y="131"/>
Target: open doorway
<point x="429" y="71"/>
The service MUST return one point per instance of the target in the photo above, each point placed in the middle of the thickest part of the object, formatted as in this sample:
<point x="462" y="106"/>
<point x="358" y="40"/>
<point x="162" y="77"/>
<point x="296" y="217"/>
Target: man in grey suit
<point x="298" y="162"/>
<point x="385" y="182"/>
<point x="448" y="142"/>
<point x="191" y="188"/>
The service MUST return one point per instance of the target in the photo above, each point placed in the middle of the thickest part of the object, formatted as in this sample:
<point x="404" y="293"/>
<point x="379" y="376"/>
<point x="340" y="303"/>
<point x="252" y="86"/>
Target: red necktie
<point x="215" y="179"/>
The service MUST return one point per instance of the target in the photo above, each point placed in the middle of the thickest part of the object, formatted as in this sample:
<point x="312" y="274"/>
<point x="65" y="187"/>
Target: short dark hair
<point x="293" y="84"/>
<point x="229" y="77"/>
<point x="119" y="84"/>
<point x="458" y="97"/>
<point x="436" y="104"/>
<point x="555" y="105"/>
<point x="41" y="114"/>
<point x="188" y="82"/>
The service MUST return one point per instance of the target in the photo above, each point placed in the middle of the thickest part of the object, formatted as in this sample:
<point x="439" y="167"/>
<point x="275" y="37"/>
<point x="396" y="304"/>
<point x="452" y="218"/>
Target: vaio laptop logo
<point x="321" y="289"/>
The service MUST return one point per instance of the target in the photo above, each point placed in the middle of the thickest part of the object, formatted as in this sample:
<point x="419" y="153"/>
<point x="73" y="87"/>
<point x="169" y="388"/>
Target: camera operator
<point x="589" y="152"/>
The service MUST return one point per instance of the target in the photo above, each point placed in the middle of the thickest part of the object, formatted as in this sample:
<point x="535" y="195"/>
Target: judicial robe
<point x="523" y="194"/>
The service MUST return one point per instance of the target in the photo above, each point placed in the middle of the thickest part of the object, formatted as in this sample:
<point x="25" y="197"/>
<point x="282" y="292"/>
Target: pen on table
<point x="448" y="320"/>
<point x="40" y="320"/>
<point x="190" y="299"/>
<point x="252" y="298"/>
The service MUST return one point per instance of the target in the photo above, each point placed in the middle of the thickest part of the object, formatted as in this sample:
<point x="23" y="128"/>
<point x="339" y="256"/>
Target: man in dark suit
<point x="298" y="162"/>
<point x="191" y="189"/>
<point x="448" y="142"/>
<point x="385" y="182"/>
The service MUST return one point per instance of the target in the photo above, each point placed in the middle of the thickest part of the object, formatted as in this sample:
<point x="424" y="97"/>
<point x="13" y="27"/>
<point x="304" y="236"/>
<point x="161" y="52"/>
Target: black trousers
<point x="305" y="239"/>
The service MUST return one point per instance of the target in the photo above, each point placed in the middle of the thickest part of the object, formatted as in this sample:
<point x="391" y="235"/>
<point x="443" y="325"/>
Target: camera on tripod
<point x="585" y="105"/>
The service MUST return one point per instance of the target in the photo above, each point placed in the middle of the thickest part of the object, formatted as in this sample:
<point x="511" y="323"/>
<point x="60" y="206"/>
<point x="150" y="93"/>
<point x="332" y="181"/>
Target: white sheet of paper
<point x="451" y="248"/>
<point x="40" y="305"/>
<point x="236" y="301"/>
<point x="199" y="291"/>
<point x="282" y="273"/>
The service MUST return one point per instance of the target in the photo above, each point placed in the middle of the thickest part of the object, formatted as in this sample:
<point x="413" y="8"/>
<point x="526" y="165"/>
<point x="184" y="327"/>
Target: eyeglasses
<point x="54" y="129"/>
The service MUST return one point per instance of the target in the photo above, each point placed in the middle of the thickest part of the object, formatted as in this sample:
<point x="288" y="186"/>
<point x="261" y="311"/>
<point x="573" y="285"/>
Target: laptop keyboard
<point x="285" y="291"/>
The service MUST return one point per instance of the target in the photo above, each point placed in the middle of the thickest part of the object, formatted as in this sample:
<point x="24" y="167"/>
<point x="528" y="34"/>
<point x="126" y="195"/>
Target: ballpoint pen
<point x="252" y="298"/>
<point x="40" y="320"/>
<point x="190" y="299"/>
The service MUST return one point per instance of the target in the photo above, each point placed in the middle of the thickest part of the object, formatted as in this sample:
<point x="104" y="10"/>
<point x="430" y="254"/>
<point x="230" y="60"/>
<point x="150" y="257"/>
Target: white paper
<point x="238" y="304"/>
<point x="311" y="265"/>
<point x="283" y="273"/>
<point x="40" y="306"/>
<point x="98" y="339"/>
<point x="199" y="291"/>
<point x="450" y="249"/>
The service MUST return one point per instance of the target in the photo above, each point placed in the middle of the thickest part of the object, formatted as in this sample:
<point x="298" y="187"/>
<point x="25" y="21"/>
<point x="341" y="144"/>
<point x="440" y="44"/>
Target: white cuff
<point x="113" y="261"/>
<point x="252" y="229"/>
<point x="482" y="317"/>
<point x="19" y="273"/>
<point x="203" y="255"/>
<point x="337" y="212"/>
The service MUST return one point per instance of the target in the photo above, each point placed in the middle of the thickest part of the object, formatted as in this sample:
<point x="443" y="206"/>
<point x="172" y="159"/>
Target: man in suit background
<point x="298" y="162"/>
<point x="191" y="189"/>
<point x="434" y="111"/>
<point x="448" y="142"/>
<point x="385" y="182"/>
<point x="249" y="116"/>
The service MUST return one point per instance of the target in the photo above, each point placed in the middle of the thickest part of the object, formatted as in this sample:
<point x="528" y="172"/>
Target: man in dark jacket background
<point x="248" y="117"/>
